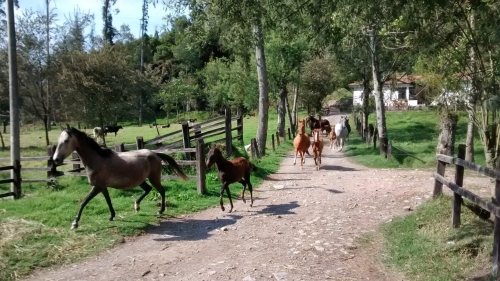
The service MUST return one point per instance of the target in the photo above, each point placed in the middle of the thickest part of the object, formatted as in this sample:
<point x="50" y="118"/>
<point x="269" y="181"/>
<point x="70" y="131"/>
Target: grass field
<point x="34" y="231"/>
<point x="425" y="247"/>
<point x="414" y="132"/>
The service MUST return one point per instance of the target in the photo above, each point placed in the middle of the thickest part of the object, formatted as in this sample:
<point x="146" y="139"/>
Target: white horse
<point x="99" y="134"/>
<point x="341" y="132"/>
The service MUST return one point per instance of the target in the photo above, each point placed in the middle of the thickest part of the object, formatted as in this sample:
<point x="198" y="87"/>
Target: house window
<point x="413" y="93"/>
<point x="401" y="93"/>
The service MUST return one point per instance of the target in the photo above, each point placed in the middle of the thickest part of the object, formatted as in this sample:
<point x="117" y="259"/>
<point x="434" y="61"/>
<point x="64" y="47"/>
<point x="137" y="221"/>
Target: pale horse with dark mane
<point x="341" y="132"/>
<point x="121" y="170"/>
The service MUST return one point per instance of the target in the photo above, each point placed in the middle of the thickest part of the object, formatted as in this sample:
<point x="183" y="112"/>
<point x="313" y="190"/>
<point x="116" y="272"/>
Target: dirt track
<point x="304" y="225"/>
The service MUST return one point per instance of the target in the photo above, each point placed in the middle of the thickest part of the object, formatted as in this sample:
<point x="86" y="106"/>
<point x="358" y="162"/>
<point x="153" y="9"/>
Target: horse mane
<point x="103" y="152"/>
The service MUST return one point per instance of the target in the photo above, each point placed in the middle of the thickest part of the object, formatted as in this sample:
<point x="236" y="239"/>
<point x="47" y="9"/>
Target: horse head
<point x="302" y="127"/>
<point x="213" y="155"/>
<point x="66" y="144"/>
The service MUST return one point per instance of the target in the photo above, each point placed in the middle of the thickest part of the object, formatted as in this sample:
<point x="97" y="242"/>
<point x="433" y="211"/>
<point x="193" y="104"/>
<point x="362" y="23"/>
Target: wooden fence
<point x="189" y="140"/>
<point x="459" y="192"/>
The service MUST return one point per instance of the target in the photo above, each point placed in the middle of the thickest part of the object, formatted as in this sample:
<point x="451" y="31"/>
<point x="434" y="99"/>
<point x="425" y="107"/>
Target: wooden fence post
<point x="229" y="136"/>
<point x="438" y="186"/>
<point x="459" y="180"/>
<point x="239" y="123"/>
<point x="140" y="142"/>
<point x="278" y="138"/>
<point x="289" y="134"/>
<point x="272" y="141"/>
<point x="201" y="186"/>
<point x="255" y="149"/>
<point x="74" y="157"/>
<point x="185" y="138"/>
<point x="119" y="147"/>
<point x="17" y="180"/>
<point x="52" y="169"/>
<point x="389" y="150"/>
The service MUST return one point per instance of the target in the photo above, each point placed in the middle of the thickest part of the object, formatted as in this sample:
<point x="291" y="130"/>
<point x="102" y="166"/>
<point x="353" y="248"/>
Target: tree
<point x="34" y="72"/>
<point x="108" y="32"/>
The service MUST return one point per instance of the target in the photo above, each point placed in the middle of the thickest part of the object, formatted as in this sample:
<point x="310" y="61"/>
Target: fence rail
<point x="459" y="192"/>
<point x="181" y="142"/>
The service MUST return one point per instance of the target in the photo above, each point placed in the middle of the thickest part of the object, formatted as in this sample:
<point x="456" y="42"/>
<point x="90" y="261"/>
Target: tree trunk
<point x="469" y="140"/>
<point x="366" y="99"/>
<point x="378" y="85"/>
<point x="47" y="30"/>
<point x="489" y="142"/>
<point x="282" y="111"/>
<point x="263" y="90"/>
<point x="446" y="140"/>
<point x="294" y="109"/>
<point x="290" y="118"/>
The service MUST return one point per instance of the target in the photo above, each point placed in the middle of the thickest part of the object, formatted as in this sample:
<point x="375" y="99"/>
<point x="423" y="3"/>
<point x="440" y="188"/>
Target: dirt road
<point x="304" y="225"/>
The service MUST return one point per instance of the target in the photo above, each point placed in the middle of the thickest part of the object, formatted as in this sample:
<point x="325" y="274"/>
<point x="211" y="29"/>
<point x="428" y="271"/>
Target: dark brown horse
<point x="322" y="124"/>
<point x="121" y="170"/>
<point x="231" y="171"/>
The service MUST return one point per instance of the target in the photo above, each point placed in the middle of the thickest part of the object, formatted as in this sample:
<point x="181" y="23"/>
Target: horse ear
<point x="67" y="126"/>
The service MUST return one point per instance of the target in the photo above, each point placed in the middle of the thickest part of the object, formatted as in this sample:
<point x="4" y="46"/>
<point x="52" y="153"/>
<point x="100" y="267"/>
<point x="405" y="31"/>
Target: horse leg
<point x="223" y="186"/>
<point x="295" y="159"/>
<point x="229" y="196"/>
<point x="157" y="185"/>
<point x="247" y="179"/>
<point x="147" y="188"/>
<point x="244" y="183"/>
<point x="108" y="200"/>
<point x="301" y="159"/>
<point x="93" y="192"/>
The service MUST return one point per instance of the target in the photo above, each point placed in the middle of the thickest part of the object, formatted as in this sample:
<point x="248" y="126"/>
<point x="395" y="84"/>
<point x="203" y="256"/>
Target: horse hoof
<point x="74" y="225"/>
<point x="137" y="208"/>
<point x="244" y="201"/>
<point x="111" y="218"/>
<point x="230" y="210"/>
<point x="223" y="209"/>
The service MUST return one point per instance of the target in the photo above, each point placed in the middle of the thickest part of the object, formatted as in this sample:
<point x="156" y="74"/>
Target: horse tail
<point x="173" y="164"/>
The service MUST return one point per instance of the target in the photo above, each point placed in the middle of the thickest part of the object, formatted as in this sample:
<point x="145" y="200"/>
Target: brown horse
<point x="121" y="170"/>
<point x="317" y="146"/>
<point x="231" y="171"/>
<point x="301" y="142"/>
<point x="333" y="138"/>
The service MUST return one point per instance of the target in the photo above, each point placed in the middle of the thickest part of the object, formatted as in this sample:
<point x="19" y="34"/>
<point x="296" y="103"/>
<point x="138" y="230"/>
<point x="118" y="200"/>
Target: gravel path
<point x="305" y="225"/>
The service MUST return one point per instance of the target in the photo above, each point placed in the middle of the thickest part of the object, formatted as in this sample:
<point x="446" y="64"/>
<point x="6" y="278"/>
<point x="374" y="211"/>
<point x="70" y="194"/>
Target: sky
<point x="130" y="12"/>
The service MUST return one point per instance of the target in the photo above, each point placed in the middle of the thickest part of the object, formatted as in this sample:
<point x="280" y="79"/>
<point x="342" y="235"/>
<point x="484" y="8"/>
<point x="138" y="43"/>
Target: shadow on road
<point x="186" y="229"/>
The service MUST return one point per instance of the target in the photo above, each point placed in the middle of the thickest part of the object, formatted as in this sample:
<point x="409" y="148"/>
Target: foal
<point x="231" y="171"/>
<point x="317" y="146"/>
<point x="301" y="143"/>
<point x="333" y="139"/>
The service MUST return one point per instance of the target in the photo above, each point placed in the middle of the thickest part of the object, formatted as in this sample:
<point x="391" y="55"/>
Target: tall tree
<point x="108" y="31"/>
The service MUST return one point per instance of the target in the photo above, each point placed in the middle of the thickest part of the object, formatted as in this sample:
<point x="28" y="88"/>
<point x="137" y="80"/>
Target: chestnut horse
<point x="301" y="142"/>
<point x="317" y="146"/>
<point x="121" y="170"/>
<point x="333" y="138"/>
<point x="231" y="171"/>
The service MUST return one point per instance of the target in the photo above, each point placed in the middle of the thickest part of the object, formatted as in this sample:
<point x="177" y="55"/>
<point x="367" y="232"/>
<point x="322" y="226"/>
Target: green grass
<point x="34" y="231"/>
<point x="414" y="132"/>
<point x="425" y="247"/>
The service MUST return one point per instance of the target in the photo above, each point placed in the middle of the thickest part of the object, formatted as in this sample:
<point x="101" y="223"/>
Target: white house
<point x="404" y="89"/>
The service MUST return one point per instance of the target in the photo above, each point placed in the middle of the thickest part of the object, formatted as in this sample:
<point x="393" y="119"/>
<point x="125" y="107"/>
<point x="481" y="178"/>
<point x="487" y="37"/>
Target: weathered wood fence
<point x="16" y="187"/>
<point x="189" y="140"/>
<point x="459" y="192"/>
